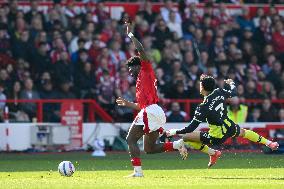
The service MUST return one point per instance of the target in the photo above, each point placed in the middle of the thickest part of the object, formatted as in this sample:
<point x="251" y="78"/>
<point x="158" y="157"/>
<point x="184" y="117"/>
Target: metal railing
<point x="93" y="107"/>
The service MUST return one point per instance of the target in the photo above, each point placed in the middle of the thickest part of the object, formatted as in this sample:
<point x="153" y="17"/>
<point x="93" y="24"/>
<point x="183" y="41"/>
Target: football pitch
<point x="234" y="170"/>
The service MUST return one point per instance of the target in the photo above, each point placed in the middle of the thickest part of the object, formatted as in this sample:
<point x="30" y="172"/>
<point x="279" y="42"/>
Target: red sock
<point x="136" y="161"/>
<point x="168" y="146"/>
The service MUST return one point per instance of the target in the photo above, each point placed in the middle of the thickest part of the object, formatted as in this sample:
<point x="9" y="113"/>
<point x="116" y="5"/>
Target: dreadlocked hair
<point x="135" y="60"/>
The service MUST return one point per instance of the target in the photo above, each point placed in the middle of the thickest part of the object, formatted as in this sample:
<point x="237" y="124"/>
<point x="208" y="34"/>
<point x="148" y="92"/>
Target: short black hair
<point x="81" y="40"/>
<point x="135" y="60"/>
<point x="208" y="82"/>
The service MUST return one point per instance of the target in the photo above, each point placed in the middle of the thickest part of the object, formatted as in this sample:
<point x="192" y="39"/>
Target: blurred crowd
<point x="81" y="53"/>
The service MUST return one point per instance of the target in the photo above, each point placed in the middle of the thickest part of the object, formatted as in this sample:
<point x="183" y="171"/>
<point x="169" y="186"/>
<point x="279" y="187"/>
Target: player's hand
<point x="171" y="132"/>
<point x="229" y="81"/>
<point x="127" y="25"/>
<point x="121" y="101"/>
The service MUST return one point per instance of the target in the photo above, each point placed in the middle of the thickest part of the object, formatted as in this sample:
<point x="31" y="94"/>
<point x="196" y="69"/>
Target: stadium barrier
<point x="188" y="105"/>
<point x="93" y="107"/>
<point x="20" y="138"/>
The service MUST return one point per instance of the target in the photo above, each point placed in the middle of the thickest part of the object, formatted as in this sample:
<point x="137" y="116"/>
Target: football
<point x="66" y="168"/>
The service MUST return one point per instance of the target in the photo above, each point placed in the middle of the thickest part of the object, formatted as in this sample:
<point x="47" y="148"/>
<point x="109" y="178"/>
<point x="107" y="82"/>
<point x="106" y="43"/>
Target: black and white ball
<point x="66" y="168"/>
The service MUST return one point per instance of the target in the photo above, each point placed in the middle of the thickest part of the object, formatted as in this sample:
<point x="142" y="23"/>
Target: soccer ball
<point x="66" y="168"/>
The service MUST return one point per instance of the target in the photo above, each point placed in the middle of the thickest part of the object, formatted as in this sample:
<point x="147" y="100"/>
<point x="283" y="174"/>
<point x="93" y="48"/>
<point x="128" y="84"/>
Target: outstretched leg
<point x="193" y="140"/>
<point x="151" y="147"/>
<point x="254" y="137"/>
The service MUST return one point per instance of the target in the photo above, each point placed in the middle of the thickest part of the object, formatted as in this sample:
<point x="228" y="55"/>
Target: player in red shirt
<point x="151" y="118"/>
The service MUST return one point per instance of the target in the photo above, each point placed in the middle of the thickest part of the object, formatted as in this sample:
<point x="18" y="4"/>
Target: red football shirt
<point x="146" y="86"/>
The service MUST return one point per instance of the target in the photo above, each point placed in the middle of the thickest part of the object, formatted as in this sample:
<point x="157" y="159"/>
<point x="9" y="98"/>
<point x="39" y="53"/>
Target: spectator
<point x="250" y="91"/>
<point x="41" y="61"/>
<point x="82" y="59"/>
<point x="161" y="83"/>
<point x="268" y="112"/>
<point x="64" y="68"/>
<point x="161" y="34"/>
<point x="153" y="53"/>
<point x="5" y="78"/>
<point x="116" y="54"/>
<point x="178" y="91"/>
<point x="280" y="117"/>
<point x="203" y="62"/>
<point x="147" y="12"/>
<point x="15" y="110"/>
<point x="65" y="90"/>
<point x="2" y="97"/>
<point x="22" y="48"/>
<point x="58" y="48"/>
<point x="275" y="74"/>
<point x="50" y="110"/>
<point x="106" y="89"/>
<point x="173" y="25"/>
<point x="86" y="81"/>
<point x="123" y="81"/>
<point x="5" y="46"/>
<point x="29" y="94"/>
<point x="237" y="112"/>
<point x="101" y="15"/>
<point x="34" y="11"/>
<point x="262" y="34"/>
<point x="254" y="116"/>
<point x="105" y="64"/>
<point x="75" y="55"/>
<point x="244" y="19"/>
<point x="95" y="51"/>
<point x="278" y="38"/>
<point x="175" y="114"/>
<point x="165" y="12"/>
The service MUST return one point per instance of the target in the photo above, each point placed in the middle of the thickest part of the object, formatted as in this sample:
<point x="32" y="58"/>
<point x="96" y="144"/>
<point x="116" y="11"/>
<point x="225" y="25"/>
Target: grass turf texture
<point x="242" y="170"/>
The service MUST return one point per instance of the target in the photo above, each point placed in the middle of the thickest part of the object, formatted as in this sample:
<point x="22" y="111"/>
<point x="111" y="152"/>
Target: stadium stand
<point x="67" y="52"/>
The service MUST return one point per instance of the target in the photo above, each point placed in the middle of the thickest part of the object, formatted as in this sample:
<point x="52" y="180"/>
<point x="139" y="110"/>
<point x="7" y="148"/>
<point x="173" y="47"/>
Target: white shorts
<point x="152" y="118"/>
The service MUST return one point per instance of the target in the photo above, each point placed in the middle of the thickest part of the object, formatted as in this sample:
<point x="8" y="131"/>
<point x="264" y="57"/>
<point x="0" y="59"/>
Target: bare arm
<point x="136" y="43"/>
<point x="122" y="102"/>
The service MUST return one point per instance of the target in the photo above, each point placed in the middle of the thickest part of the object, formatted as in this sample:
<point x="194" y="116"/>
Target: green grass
<point x="243" y="170"/>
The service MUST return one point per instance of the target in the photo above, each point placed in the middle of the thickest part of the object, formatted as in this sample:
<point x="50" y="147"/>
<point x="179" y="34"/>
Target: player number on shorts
<point x="220" y="106"/>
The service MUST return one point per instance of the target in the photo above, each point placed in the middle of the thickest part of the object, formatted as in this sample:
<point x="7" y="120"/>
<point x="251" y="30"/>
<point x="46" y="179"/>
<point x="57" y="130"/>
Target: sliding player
<point x="213" y="111"/>
<point x="151" y="118"/>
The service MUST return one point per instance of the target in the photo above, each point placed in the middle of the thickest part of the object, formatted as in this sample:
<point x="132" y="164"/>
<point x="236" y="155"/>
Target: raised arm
<point x="232" y="91"/>
<point x="136" y="43"/>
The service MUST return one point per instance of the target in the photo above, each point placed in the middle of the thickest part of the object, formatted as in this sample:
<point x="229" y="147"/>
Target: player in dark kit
<point x="151" y="118"/>
<point x="213" y="110"/>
